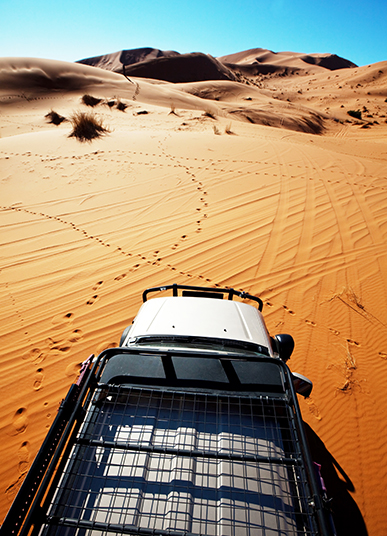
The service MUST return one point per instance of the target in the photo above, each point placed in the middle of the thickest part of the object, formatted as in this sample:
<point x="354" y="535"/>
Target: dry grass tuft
<point x="54" y="118"/>
<point x="173" y="110"/>
<point x="89" y="100"/>
<point x="86" y="126"/>
<point x="228" y="129"/>
<point x="209" y="114"/>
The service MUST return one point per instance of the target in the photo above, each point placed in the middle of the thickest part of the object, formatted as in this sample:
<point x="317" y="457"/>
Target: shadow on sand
<point x="346" y="514"/>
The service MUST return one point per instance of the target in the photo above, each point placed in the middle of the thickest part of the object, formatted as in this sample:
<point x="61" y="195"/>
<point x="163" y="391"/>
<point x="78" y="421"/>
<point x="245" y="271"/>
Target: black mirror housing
<point x="284" y="346"/>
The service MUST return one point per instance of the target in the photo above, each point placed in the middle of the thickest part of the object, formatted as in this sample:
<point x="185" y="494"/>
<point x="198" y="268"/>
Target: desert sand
<point x="266" y="185"/>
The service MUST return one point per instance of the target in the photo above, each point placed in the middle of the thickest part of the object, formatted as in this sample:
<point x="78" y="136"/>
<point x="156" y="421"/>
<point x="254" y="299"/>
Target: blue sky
<point x="75" y="29"/>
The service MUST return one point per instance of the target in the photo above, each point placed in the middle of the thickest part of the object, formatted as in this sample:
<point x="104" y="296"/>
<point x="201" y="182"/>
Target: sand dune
<point x="163" y="65"/>
<point x="186" y="188"/>
<point x="174" y="67"/>
<point x="117" y="60"/>
<point x="262" y="61"/>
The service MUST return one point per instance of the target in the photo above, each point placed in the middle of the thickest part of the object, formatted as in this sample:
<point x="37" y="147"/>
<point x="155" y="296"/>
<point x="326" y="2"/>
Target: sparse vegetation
<point x="89" y="100"/>
<point x="228" y="129"/>
<point x="173" y="110"/>
<point x="86" y="126"/>
<point x="121" y="106"/>
<point x="209" y="114"/>
<point x="355" y="113"/>
<point x="216" y="130"/>
<point x="55" y="118"/>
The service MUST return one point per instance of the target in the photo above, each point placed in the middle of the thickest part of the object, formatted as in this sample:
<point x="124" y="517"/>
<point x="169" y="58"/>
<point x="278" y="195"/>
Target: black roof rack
<point x="203" y="292"/>
<point x="124" y="448"/>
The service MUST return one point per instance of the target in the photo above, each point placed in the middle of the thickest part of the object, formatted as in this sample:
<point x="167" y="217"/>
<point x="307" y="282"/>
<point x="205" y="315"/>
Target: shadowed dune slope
<point x="183" y="68"/>
<point x="117" y="60"/>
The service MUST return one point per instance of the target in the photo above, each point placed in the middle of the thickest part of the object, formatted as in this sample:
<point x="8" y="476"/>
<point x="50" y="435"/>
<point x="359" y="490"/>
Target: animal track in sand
<point x="35" y="355"/>
<point x="24" y="457"/>
<point x="334" y="331"/>
<point x="39" y="376"/>
<point x="64" y="344"/>
<point x="63" y="319"/>
<point x="23" y="466"/>
<point x="92" y="300"/>
<point x="310" y="323"/>
<point x="188" y="172"/>
<point x="14" y="305"/>
<point x="20" y="421"/>
<point x="105" y="345"/>
<point x="64" y="222"/>
<point x="288" y="310"/>
<point x="76" y="335"/>
<point x="13" y="488"/>
<point x="313" y="408"/>
<point x="73" y="369"/>
<point x="119" y="277"/>
<point x="58" y="346"/>
<point x="383" y="355"/>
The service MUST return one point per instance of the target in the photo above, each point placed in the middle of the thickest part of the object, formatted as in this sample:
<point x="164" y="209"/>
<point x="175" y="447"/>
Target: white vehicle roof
<point x="200" y="317"/>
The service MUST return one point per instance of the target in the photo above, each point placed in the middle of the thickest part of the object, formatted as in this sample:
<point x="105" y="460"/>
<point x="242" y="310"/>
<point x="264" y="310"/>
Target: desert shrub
<point x="55" y="118"/>
<point x="121" y="106"/>
<point x="86" y="126"/>
<point x="209" y="114"/>
<point x="216" y="130"/>
<point x="355" y="113"/>
<point x="89" y="100"/>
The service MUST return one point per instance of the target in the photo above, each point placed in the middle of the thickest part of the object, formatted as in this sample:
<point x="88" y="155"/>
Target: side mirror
<point x="124" y="335"/>
<point x="302" y="385"/>
<point x="284" y="346"/>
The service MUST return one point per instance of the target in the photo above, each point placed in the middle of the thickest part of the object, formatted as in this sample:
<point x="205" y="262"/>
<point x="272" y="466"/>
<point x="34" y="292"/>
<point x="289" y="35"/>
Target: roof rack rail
<point x="203" y="292"/>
